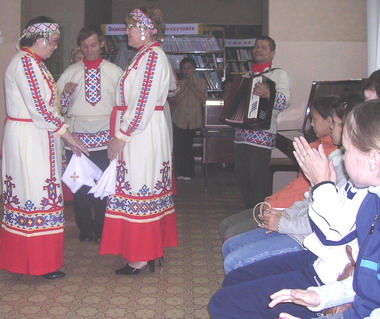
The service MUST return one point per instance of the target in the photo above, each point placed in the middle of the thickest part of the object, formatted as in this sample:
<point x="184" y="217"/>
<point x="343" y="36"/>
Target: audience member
<point x="187" y="118"/>
<point x="295" y="190"/>
<point x="76" y="55"/>
<point x="361" y="139"/>
<point x="246" y="289"/>
<point x="285" y="230"/>
<point x="372" y="86"/>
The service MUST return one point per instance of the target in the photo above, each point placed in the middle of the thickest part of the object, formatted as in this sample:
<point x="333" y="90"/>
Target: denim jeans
<point x="245" y="291"/>
<point x="255" y="245"/>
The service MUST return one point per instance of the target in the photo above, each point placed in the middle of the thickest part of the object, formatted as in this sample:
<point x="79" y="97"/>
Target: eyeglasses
<point x="53" y="41"/>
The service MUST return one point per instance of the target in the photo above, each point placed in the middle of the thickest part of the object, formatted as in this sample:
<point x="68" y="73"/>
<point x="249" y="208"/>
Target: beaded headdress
<point x="44" y="28"/>
<point x="139" y="16"/>
<point x="143" y="21"/>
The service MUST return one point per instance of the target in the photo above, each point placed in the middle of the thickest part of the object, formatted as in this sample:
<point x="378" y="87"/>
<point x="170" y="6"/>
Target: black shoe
<point x="54" y="275"/>
<point x="127" y="270"/>
<point x="97" y="239"/>
<point x="85" y="237"/>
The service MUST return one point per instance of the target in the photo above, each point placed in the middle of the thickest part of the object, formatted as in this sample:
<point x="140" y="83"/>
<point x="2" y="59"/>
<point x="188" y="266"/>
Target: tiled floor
<point x="181" y="289"/>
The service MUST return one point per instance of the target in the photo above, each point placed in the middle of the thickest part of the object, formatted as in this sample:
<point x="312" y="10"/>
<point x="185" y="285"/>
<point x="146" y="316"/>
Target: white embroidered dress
<point x="31" y="235"/>
<point x="140" y="217"/>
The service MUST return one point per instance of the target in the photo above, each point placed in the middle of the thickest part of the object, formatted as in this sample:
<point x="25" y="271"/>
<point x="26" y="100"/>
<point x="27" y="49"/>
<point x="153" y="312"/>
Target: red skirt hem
<point x="35" y="255"/>
<point x="138" y="241"/>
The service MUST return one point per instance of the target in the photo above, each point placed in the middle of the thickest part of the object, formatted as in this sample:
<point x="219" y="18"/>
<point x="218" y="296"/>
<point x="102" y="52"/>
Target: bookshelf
<point x="115" y="38"/>
<point x="205" y="44"/>
<point x="111" y="46"/>
<point x="238" y="55"/>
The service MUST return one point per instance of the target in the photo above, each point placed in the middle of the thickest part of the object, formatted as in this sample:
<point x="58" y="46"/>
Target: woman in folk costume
<point x="31" y="234"/>
<point x="140" y="217"/>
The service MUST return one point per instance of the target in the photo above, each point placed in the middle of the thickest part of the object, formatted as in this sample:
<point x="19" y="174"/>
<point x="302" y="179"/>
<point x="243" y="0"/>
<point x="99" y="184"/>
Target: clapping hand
<point x="314" y="163"/>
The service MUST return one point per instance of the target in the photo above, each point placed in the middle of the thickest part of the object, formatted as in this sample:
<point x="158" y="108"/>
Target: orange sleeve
<point x="296" y="189"/>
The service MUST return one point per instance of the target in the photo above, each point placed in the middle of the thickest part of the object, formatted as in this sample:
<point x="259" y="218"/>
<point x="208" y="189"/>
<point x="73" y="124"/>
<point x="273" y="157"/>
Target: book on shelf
<point x="202" y="61"/>
<point x="213" y="81"/>
<point x="191" y="44"/>
<point x="216" y="82"/>
<point x="112" y="43"/>
<point x="238" y="54"/>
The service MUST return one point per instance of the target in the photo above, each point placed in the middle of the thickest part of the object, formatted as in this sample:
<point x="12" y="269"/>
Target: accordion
<point x="244" y="109"/>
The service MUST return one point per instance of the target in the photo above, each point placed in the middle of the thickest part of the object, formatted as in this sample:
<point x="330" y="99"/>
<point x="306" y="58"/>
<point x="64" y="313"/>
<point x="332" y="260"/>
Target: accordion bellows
<point x="244" y="109"/>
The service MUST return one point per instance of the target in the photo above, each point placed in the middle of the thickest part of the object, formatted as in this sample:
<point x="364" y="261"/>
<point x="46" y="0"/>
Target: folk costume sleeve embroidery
<point x="146" y="94"/>
<point x="41" y="98"/>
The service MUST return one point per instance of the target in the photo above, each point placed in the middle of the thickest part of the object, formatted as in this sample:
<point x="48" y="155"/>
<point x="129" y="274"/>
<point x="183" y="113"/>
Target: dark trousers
<point x="252" y="173"/>
<point x="246" y="290"/>
<point x="183" y="151"/>
<point x="90" y="224"/>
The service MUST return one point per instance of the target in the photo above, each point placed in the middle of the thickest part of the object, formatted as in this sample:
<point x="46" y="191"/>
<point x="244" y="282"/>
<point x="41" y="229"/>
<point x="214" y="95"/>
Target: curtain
<point x="373" y="30"/>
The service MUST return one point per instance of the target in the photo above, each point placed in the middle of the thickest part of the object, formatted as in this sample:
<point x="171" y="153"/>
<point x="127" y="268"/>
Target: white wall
<point x="317" y="40"/>
<point x="308" y="61"/>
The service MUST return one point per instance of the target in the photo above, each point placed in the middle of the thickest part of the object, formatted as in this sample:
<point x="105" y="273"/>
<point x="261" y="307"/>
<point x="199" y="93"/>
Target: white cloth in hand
<point x="80" y="171"/>
<point x="106" y="185"/>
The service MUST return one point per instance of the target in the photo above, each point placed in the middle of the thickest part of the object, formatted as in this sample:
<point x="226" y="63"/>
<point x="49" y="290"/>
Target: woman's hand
<point x="300" y="297"/>
<point x="270" y="219"/>
<point x="115" y="148"/>
<point x="314" y="163"/>
<point x="75" y="144"/>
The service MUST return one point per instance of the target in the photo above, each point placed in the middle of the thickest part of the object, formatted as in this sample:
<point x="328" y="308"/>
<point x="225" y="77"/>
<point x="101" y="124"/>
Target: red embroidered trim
<point x="17" y="119"/>
<point x="113" y="118"/>
<point x="144" y="93"/>
<point x="35" y="90"/>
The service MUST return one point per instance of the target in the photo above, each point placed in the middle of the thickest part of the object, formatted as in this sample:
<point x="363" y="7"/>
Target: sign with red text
<point x="184" y="28"/>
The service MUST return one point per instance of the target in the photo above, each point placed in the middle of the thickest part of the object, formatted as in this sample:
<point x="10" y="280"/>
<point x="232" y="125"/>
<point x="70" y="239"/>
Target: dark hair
<point x="346" y="103"/>
<point x="363" y="126"/>
<point x="187" y="60"/>
<point x="29" y="41"/>
<point x="272" y="43"/>
<point x="373" y="82"/>
<point x="324" y="104"/>
<point x="88" y="31"/>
